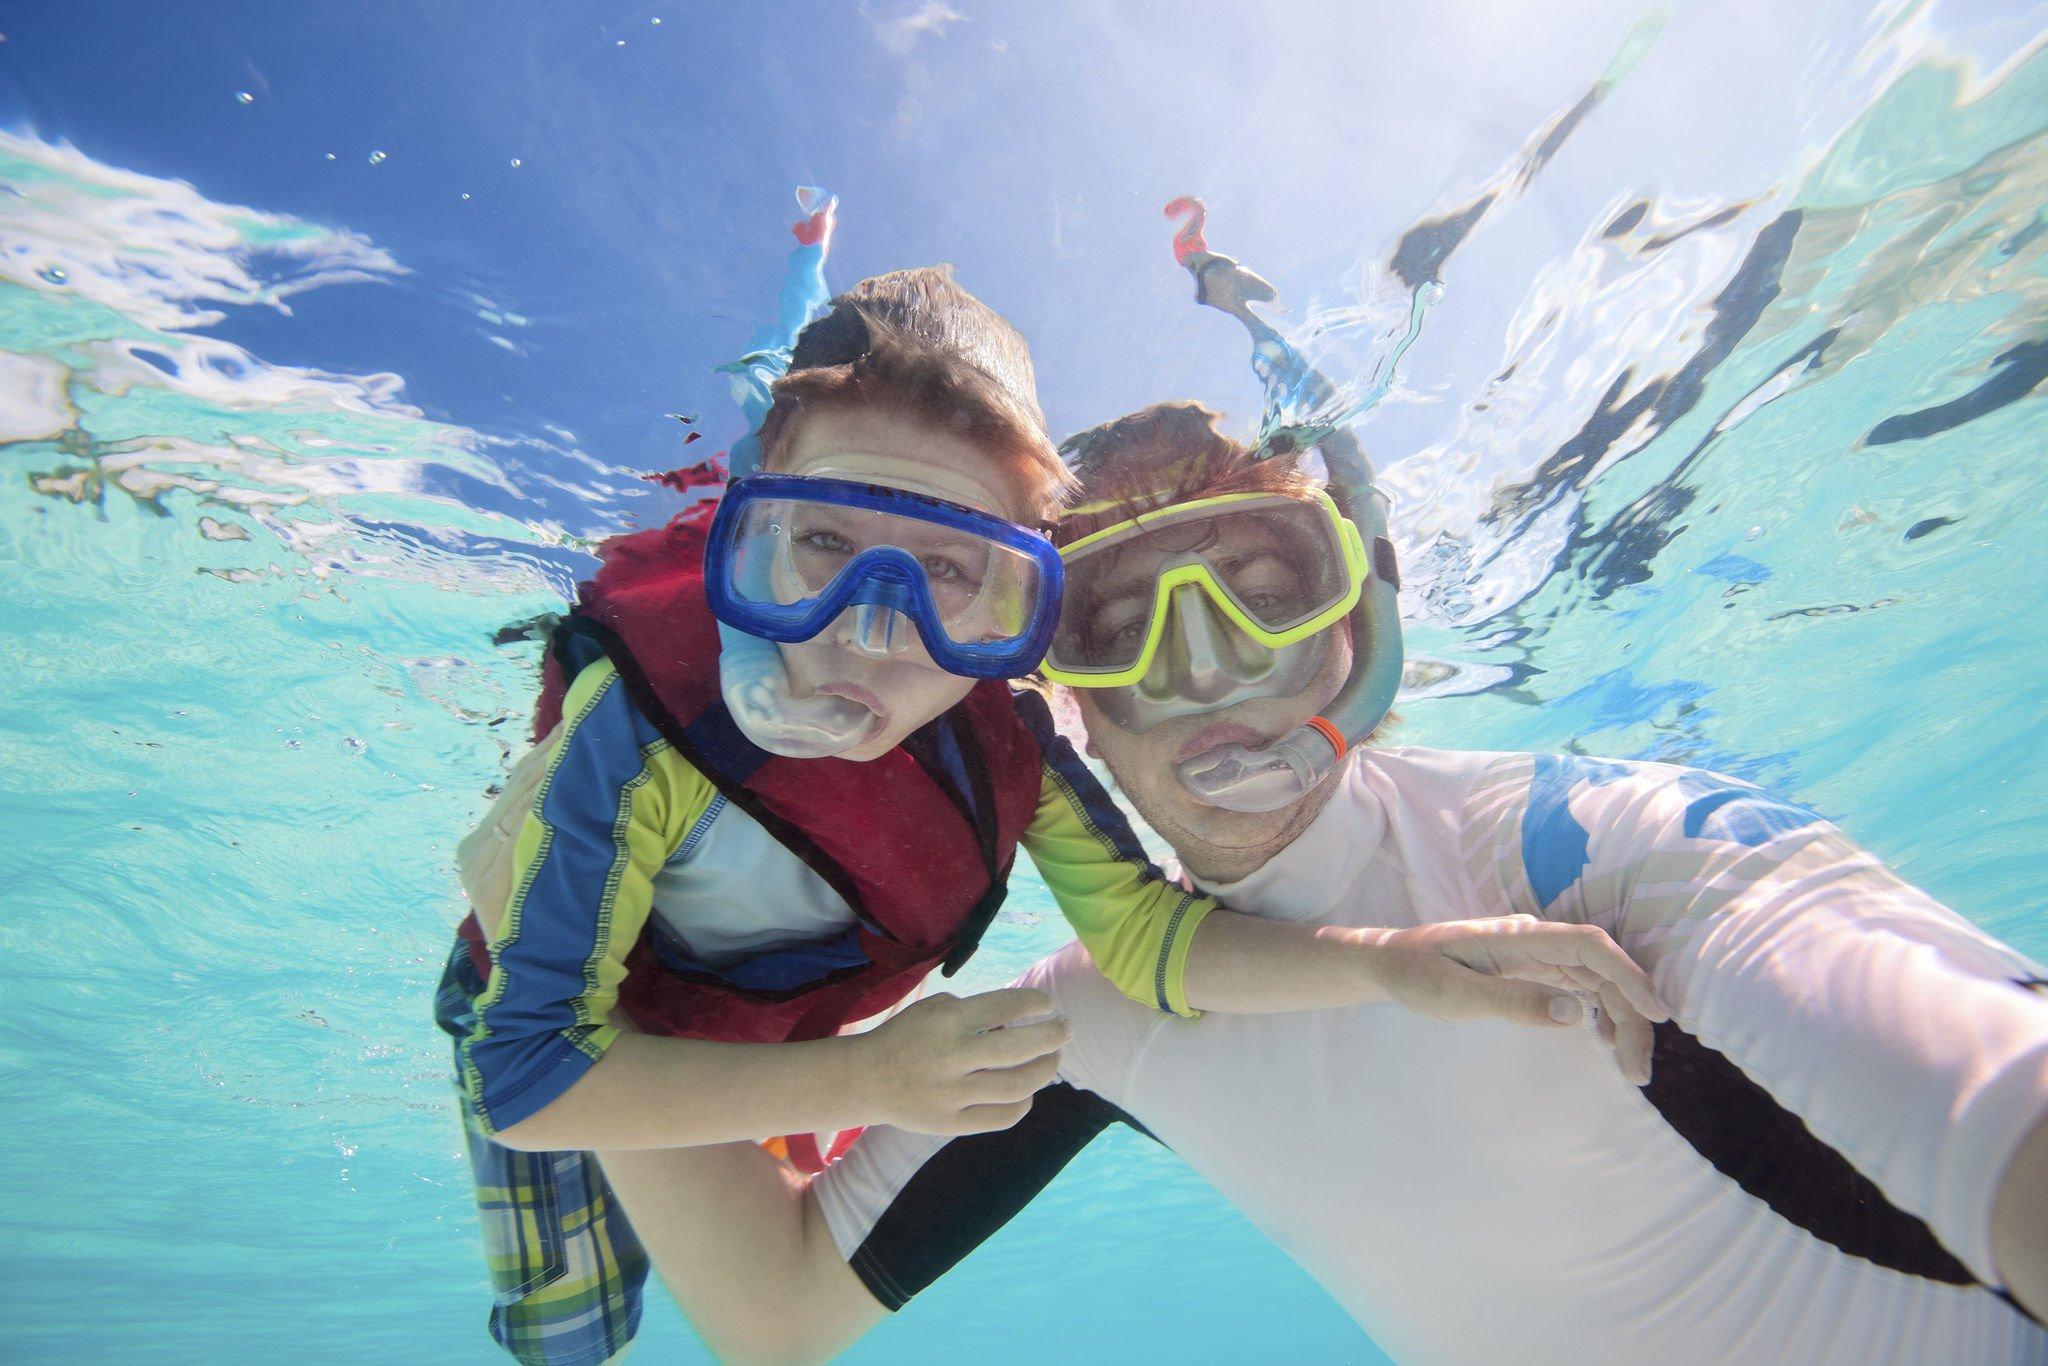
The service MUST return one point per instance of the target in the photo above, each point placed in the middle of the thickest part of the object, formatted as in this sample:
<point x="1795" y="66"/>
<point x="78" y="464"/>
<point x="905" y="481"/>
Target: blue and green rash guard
<point x="627" y="843"/>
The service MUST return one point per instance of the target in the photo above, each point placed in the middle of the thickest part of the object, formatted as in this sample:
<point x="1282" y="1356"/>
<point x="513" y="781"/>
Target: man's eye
<point x="1118" y="631"/>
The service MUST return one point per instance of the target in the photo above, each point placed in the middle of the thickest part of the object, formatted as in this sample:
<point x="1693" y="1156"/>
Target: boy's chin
<point x="874" y="747"/>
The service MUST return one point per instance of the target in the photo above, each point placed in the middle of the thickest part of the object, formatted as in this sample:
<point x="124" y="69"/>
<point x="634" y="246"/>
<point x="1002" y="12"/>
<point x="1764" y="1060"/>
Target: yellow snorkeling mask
<point x="1278" y="567"/>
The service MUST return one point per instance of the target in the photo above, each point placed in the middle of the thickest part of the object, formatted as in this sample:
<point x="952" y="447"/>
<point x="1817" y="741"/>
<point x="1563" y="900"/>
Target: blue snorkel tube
<point x="751" y="675"/>
<point x="1236" y="777"/>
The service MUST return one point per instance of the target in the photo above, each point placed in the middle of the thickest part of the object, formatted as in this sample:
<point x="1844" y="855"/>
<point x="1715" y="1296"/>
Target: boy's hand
<point x="961" y="1065"/>
<point x="1520" y="968"/>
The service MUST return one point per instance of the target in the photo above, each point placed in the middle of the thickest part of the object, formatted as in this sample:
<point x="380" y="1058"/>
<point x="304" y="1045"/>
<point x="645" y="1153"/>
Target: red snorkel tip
<point x="822" y="208"/>
<point x="1189" y="242"/>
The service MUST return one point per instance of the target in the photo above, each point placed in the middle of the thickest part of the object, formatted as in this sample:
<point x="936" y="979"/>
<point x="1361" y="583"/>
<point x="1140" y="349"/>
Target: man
<point x="1841" y="1154"/>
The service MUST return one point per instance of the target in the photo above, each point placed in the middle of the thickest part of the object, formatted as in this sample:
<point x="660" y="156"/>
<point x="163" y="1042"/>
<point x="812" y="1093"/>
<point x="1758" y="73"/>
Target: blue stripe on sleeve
<point x="529" y="1045"/>
<point x="1098" y="809"/>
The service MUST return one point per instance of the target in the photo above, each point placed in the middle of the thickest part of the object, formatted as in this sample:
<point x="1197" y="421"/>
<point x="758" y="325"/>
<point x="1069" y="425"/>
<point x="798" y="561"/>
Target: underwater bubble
<point x="517" y="163"/>
<point x="465" y="194"/>
<point x="656" y="21"/>
<point x="620" y="43"/>
<point x="56" y="275"/>
<point x="377" y="158"/>
<point x="330" y="156"/>
<point x="244" y="97"/>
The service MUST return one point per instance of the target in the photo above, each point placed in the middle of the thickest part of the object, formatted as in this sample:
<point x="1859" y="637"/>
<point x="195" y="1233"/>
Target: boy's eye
<point x="829" y="542"/>
<point x="939" y="569"/>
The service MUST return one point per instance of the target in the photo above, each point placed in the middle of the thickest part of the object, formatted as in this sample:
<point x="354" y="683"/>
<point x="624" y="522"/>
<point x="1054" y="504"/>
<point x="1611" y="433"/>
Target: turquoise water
<point x="1741" y="466"/>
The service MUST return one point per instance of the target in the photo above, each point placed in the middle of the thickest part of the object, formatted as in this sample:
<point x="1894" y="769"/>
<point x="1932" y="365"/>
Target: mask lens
<point x="1281" y="562"/>
<point x="790" y="551"/>
<point x="1278" y="559"/>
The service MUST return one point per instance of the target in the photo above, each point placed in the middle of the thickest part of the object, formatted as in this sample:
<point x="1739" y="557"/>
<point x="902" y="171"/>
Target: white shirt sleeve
<point x="1901" y="1035"/>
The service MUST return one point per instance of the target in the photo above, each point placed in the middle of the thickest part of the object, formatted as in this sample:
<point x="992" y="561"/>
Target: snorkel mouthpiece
<point x="756" y="690"/>
<point x="1240" y="779"/>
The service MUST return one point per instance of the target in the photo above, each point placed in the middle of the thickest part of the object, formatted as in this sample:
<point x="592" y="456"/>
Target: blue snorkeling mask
<point x="790" y="555"/>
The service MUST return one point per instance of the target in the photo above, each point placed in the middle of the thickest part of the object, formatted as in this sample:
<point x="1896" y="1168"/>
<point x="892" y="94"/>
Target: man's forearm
<point x="649" y="1092"/>
<point x="2019" y="1223"/>
<point x="1246" y="965"/>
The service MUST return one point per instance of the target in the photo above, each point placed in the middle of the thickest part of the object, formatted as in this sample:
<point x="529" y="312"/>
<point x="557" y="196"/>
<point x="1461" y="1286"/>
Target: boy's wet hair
<point x="915" y="343"/>
<point x="1158" y="456"/>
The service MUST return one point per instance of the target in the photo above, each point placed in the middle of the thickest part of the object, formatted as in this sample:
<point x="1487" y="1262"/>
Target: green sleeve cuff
<point x="1170" y="981"/>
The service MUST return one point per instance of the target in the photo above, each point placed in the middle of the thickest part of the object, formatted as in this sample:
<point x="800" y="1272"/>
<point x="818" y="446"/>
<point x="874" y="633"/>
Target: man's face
<point x="1144" y="762"/>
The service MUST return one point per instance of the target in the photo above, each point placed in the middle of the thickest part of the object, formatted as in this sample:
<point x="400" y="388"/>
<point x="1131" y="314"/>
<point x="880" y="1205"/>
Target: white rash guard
<point x="1808" y="1177"/>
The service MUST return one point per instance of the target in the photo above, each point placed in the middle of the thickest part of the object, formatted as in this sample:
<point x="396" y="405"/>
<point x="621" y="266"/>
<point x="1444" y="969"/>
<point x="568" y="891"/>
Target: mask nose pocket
<point x="1204" y="656"/>
<point x="882" y="632"/>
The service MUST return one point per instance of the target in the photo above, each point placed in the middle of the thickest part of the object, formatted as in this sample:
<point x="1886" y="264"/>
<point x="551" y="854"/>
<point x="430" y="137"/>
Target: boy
<point x="679" y="873"/>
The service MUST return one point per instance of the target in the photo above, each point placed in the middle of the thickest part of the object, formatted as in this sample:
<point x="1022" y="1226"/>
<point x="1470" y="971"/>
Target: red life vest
<point x="922" y="870"/>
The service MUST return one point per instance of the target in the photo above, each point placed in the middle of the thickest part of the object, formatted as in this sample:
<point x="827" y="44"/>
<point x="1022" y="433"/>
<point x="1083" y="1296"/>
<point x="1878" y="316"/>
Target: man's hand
<point x="962" y="1065"/>
<point x="1523" y="969"/>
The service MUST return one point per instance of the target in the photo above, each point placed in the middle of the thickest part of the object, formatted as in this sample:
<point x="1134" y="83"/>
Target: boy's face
<point x="907" y="690"/>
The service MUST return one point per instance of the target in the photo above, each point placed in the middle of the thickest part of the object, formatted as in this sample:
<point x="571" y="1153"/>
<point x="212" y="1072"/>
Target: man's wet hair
<point x="1167" y="453"/>
<point x="914" y="343"/>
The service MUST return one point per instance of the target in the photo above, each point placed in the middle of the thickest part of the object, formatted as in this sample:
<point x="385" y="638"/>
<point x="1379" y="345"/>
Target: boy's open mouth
<point x="853" y="692"/>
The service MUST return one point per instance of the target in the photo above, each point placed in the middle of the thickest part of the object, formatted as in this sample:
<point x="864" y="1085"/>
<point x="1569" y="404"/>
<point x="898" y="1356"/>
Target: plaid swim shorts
<point x="566" y="1269"/>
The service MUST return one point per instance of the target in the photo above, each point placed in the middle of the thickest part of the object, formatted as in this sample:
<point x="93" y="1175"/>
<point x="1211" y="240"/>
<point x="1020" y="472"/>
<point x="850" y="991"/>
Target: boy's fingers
<point x="1634" y="1037"/>
<point x="1479" y="996"/>
<point x="1633" y="1044"/>
<point x="1591" y="947"/>
<point x="1003" y="1085"/>
<point x="981" y="1119"/>
<point x="1020" y="1043"/>
<point x="993" y="1008"/>
<point x="1609" y="959"/>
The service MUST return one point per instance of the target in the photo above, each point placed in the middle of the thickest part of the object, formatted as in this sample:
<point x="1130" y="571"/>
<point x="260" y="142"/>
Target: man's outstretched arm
<point x="2019" y="1223"/>
<point x="1849" y="1012"/>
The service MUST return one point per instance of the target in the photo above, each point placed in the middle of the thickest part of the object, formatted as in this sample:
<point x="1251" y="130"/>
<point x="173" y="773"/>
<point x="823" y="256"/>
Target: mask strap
<point x="1236" y="777"/>
<point x="752" y="678"/>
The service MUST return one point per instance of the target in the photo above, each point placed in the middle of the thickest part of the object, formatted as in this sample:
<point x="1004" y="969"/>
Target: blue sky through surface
<point x="641" y="235"/>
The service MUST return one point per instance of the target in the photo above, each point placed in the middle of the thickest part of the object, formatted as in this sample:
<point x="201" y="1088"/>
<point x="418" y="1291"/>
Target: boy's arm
<point x="1136" y="926"/>
<point x="1181" y="952"/>
<point x="544" y="1068"/>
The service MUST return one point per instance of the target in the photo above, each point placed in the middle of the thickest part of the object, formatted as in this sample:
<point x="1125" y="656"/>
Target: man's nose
<point x="1203" y="656"/>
